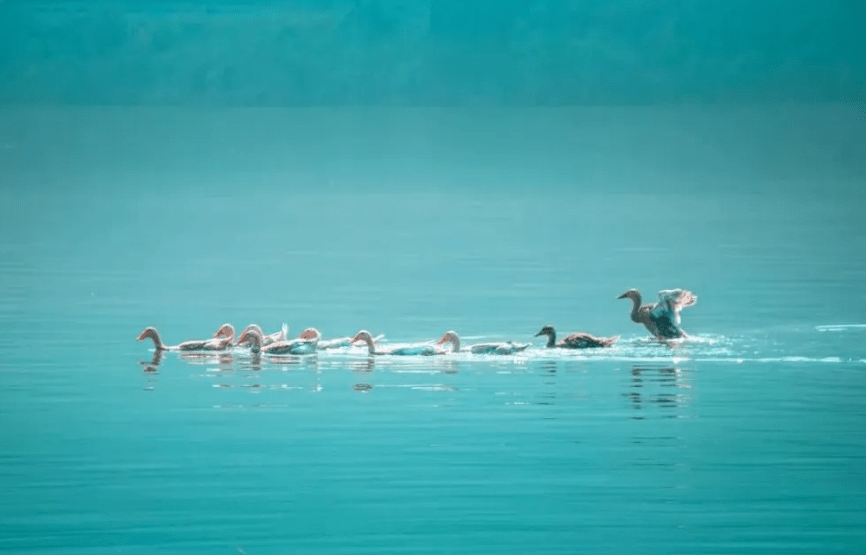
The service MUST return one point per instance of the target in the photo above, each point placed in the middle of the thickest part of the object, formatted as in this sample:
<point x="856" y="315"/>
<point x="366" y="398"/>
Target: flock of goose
<point x="661" y="319"/>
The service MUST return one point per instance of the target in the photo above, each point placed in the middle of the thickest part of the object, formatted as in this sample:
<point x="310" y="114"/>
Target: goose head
<point x="252" y="336"/>
<point x="310" y="334"/>
<point x="225" y="331"/>
<point x="630" y="294"/>
<point x="244" y="337"/>
<point x="364" y="336"/>
<point x="148" y="332"/>
<point x="450" y="337"/>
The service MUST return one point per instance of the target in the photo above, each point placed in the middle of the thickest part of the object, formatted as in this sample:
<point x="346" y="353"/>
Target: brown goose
<point x="579" y="340"/>
<point x="662" y="319"/>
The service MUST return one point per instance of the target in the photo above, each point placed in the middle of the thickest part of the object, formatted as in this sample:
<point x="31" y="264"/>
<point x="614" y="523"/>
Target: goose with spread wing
<point x="662" y="319"/>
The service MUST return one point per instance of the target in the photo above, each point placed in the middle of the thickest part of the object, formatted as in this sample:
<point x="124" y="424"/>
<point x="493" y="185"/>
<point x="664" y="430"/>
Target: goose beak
<point x="537" y="334"/>
<point x="624" y="295"/>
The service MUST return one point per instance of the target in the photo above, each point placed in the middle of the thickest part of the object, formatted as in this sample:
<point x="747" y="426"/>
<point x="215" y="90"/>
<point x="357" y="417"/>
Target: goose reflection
<point x="548" y="375"/>
<point x="223" y="360"/>
<point x="449" y="366"/>
<point x="430" y="365"/>
<point x="363" y="365"/>
<point x="254" y="363"/>
<point x="305" y="361"/>
<point x="644" y="378"/>
<point x="152" y="365"/>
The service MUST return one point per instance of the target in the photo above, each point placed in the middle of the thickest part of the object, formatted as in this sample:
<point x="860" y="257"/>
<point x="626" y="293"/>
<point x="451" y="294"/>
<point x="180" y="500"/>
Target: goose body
<point x="420" y="349"/>
<point x="497" y="348"/>
<point x="338" y="342"/>
<point x="577" y="340"/>
<point x="221" y="340"/>
<point x="267" y="338"/>
<point x="304" y="344"/>
<point x="661" y="319"/>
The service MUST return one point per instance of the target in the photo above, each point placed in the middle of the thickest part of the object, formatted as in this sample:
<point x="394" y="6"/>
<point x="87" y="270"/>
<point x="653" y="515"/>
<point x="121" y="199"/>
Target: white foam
<point x="638" y="349"/>
<point x="840" y="327"/>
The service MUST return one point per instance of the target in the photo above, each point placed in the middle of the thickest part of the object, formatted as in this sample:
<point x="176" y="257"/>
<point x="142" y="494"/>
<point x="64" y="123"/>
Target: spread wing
<point x="671" y="301"/>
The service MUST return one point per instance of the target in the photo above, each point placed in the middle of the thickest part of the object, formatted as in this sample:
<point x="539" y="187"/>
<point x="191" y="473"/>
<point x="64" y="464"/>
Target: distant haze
<point x="431" y="52"/>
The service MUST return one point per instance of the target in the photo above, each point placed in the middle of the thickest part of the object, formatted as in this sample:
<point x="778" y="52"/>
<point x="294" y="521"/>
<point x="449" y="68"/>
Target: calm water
<point x="747" y="439"/>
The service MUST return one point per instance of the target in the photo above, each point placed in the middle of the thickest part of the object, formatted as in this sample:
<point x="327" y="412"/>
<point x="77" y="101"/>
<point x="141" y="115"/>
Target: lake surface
<point x="747" y="438"/>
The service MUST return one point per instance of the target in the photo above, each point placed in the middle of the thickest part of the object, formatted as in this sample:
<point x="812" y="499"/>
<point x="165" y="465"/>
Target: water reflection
<point x="363" y="365"/>
<point x="226" y="360"/>
<point x="311" y="361"/>
<point x="548" y="395"/>
<point x="223" y="360"/>
<point x="407" y="365"/>
<point x="153" y="364"/>
<point x="448" y="366"/>
<point x="254" y="364"/>
<point x="670" y="378"/>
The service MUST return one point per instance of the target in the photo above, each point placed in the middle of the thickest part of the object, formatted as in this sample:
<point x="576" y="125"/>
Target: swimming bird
<point x="422" y="349"/>
<point x="267" y="339"/>
<point x="221" y="340"/>
<point x="304" y="344"/>
<point x="338" y="342"/>
<point x="501" y="348"/>
<point x="578" y="340"/>
<point x="225" y="330"/>
<point x="663" y="318"/>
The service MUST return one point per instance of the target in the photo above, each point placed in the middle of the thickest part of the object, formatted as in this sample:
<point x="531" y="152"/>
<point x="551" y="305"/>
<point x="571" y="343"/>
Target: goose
<point x="338" y="342"/>
<point x="304" y="344"/>
<point x="268" y="338"/>
<point x="500" y="348"/>
<point x="578" y="340"/>
<point x="221" y="340"/>
<point x="423" y="349"/>
<point x="662" y="319"/>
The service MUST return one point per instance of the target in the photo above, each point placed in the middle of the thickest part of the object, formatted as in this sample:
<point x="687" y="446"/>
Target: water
<point x="409" y="222"/>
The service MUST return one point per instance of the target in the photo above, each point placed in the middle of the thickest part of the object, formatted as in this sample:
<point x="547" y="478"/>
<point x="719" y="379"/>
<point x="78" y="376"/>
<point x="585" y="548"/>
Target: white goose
<point x="221" y="340"/>
<point x="422" y="349"/>
<point x="268" y="338"/>
<point x="304" y="344"/>
<point x="500" y="348"/>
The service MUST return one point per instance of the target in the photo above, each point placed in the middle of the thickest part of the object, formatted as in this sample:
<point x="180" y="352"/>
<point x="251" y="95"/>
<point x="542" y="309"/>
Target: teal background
<point x="410" y="168"/>
<point x="431" y="52"/>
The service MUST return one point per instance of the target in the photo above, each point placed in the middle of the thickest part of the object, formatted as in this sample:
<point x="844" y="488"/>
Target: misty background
<point x="431" y="52"/>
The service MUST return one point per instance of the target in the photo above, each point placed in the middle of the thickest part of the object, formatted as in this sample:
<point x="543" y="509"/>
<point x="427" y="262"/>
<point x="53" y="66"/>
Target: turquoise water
<point x="747" y="439"/>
